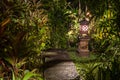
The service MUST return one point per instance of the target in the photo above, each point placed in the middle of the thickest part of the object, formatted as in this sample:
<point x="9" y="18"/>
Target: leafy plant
<point x="27" y="75"/>
<point x="18" y="34"/>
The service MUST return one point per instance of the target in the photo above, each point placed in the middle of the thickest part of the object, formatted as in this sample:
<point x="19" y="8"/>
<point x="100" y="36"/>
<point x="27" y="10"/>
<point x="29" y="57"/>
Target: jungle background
<point x="27" y="27"/>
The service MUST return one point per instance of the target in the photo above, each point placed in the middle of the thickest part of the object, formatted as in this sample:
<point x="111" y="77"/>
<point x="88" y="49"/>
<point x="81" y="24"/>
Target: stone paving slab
<point x="61" y="71"/>
<point x="60" y="68"/>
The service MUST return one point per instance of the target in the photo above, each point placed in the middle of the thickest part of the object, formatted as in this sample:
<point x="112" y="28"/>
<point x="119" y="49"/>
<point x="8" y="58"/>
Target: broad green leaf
<point x="1" y="78"/>
<point x="13" y="76"/>
<point x="28" y="75"/>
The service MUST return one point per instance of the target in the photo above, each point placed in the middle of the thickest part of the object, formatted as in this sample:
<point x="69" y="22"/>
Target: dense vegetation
<point x="29" y="26"/>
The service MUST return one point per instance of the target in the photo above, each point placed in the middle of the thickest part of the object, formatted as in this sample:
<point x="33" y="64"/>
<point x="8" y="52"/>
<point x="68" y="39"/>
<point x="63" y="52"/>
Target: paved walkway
<point x="60" y="67"/>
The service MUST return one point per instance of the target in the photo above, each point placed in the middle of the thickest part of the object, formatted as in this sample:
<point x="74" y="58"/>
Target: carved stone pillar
<point x="83" y="46"/>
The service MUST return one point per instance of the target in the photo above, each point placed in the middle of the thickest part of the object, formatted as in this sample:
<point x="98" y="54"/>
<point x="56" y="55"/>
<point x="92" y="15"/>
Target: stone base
<point x="84" y="54"/>
<point x="83" y="47"/>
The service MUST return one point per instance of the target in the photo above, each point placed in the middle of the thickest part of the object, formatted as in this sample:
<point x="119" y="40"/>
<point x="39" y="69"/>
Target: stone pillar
<point x="83" y="47"/>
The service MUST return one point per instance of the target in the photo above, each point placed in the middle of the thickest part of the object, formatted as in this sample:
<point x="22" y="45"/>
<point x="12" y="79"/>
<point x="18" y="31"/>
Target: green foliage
<point x="106" y="36"/>
<point x="105" y="41"/>
<point x="29" y="26"/>
<point x="27" y="75"/>
<point x="20" y="35"/>
<point x="59" y="19"/>
<point x="97" y="67"/>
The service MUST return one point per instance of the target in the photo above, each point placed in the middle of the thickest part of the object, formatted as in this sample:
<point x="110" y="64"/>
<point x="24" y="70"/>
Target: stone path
<point x="60" y="67"/>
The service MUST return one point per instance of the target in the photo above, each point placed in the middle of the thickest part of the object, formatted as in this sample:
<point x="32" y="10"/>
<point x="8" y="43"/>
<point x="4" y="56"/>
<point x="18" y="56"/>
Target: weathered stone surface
<point x="60" y="68"/>
<point x="61" y="71"/>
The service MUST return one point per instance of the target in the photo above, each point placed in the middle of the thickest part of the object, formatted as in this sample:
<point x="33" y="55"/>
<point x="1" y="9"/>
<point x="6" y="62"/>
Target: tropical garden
<point x="27" y="27"/>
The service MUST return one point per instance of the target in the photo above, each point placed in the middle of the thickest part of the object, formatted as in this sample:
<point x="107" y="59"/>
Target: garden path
<point x="60" y="67"/>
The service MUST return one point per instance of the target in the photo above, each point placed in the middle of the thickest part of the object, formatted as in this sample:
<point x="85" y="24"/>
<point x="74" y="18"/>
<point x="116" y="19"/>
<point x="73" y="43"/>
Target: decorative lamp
<point x="84" y="26"/>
